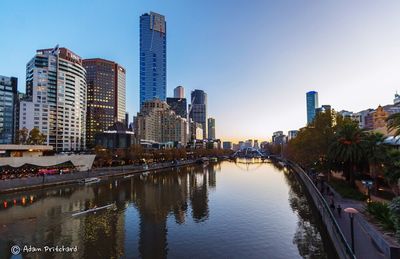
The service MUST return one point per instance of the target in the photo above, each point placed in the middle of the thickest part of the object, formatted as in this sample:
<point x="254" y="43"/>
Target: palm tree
<point x="393" y="123"/>
<point x="347" y="149"/>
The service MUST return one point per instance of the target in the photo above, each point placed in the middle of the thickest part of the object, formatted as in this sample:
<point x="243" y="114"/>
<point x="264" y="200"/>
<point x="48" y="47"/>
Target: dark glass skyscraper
<point x="8" y="97"/>
<point x="312" y="104"/>
<point x="198" y="109"/>
<point x="153" y="57"/>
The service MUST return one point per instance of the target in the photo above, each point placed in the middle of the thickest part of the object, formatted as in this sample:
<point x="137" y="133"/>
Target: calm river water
<point x="223" y="210"/>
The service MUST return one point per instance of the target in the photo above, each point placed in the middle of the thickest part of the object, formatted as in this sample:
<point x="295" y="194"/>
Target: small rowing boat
<point x="93" y="210"/>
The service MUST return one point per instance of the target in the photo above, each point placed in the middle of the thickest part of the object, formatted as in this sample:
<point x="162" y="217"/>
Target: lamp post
<point x="351" y="212"/>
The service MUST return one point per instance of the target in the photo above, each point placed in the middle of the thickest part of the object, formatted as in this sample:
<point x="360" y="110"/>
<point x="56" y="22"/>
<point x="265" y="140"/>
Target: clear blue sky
<point x="255" y="59"/>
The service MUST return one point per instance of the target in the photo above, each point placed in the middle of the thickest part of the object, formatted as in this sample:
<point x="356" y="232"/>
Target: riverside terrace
<point x="18" y="161"/>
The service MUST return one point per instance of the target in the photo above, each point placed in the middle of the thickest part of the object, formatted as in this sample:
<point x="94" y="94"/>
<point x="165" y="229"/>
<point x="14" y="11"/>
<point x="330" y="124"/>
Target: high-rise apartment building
<point x="198" y="109"/>
<point x="312" y="104"/>
<point x="157" y="122"/>
<point x="8" y="109"/>
<point x="179" y="92"/>
<point x="211" y="128"/>
<point x="56" y="98"/>
<point x="106" y="96"/>
<point x="178" y="105"/>
<point x="153" y="57"/>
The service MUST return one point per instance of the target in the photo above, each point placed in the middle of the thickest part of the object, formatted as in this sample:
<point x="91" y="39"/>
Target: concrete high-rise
<point x="106" y="96"/>
<point x="312" y="105"/>
<point x="56" y="98"/>
<point x="8" y="109"/>
<point x="211" y="128"/>
<point x="153" y="57"/>
<point x="179" y="92"/>
<point x="198" y="109"/>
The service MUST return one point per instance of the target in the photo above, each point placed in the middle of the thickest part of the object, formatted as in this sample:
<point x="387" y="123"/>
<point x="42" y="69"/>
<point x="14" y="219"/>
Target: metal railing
<point x="339" y="241"/>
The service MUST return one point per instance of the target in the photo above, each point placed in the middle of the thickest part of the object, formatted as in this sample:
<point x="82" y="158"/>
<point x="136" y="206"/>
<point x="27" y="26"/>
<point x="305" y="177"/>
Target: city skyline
<point x="336" y="55"/>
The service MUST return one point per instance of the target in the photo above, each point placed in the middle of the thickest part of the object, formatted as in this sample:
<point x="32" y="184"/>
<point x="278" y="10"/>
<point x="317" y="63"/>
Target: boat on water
<point x="90" y="180"/>
<point x="109" y="206"/>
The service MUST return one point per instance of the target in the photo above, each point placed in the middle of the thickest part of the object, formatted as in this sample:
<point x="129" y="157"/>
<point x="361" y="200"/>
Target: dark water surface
<point x="224" y="210"/>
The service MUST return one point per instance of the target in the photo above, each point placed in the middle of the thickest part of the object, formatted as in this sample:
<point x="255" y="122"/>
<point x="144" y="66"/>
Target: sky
<point x="255" y="59"/>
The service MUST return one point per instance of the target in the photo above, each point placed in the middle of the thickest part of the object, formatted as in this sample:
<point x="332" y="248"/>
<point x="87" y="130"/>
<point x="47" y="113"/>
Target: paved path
<point x="363" y="245"/>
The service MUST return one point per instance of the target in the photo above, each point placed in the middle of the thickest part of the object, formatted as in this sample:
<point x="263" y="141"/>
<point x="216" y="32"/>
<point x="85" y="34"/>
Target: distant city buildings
<point x="56" y="96"/>
<point x="8" y="109"/>
<point x="178" y="105"/>
<point x="198" y="109"/>
<point x="153" y="57"/>
<point x="227" y="145"/>
<point x="292" y="134"/>
<point x="115" y="137"/>
<point x="278" y="138"/>
<point x="157" y="122"/>
<point x="195" y="130"/>
<point x="312" y="105"/>
<point x="179" y="92"/>
<point x="105" y="96"/>
<point x="211" y="128"/>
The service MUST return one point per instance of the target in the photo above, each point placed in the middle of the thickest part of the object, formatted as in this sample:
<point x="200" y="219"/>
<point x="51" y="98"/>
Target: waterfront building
<point x="8" y="109"/>
<point x="178" y="105"/>
<point x="56" y="98"/>
<point x="157" y="122"/>
<point x="195" y="130"/>
<point x="153" y="57"/>
<point x="241" y="144"/>
<point x="227" y="145"/>
<point x="312" y="105"/>
<point x="256" y="145"/>
<point x="127" y="120"/>
<point x="179" y="92"/>
<point x="198" y="109"/>
<point x="106" y="101"/>
<point x="292" y="134"/>
<point x="211" y="128"/>
<point x="115" y="137"/>
<point x="278" y="138"/>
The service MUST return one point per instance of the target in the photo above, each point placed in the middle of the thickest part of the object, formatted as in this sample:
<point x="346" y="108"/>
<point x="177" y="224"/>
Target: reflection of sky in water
<point x="235" y="210"/>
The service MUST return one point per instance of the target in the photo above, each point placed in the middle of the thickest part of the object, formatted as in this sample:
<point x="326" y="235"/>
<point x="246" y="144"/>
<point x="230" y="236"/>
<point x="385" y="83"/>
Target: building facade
<point x="178" y="105"/>
<point x="8" y="109"/>
<point x="179" y="92"/>
<point x="227" y="145"/>
<point x="312" y="105"/>
<point x="153" y="57"/>
<point x="198" y="109"/>
<point x="158" y="123"/>
<point x="211" y="128"/>
<point x="106" y="101"/>
<point x="56" y="98"/>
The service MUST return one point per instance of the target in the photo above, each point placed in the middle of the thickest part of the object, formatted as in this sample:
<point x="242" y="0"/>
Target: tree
<point x="392" y="169"/>
<point x="347" y="149"/>
<point x="393" y="123"/>
<point x="22" y="136"/>
<point x="36" y="137"/>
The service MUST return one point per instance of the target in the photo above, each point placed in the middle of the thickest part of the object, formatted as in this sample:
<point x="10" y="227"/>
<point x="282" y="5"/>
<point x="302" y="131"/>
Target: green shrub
<point x="346" y="191"/>
<point x="381" y="212"/>
<point x="394" y="208"/>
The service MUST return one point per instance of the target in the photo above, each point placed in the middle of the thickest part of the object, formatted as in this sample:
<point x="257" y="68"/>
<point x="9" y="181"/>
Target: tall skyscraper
<point x="198" y="109"/>
<point x="312" y="104"/>
<point x="56" y="98"/>
<point x="106" y="96"/>
<point x="153" y="57"/>
<point x="8" y="109"/>
<point x="179" y="92"/>
<point x="211" y="128"/>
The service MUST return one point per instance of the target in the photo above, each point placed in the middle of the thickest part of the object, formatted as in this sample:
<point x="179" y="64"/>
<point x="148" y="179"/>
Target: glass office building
<point x="153" y="57"/>
<point x="312" y="105"/>
<point x="198" y="109"/>
<point x="8" y="96"/>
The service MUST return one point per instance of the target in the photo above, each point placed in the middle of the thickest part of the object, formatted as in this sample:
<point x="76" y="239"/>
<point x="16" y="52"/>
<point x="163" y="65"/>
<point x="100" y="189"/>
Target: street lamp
<point x="351" y="212"/>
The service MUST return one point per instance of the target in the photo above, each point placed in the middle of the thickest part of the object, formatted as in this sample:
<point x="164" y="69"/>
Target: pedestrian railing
<point x="339" y="241"/>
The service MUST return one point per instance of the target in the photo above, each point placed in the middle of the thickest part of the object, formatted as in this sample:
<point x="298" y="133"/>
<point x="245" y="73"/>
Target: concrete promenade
<point x="14" y="185"/>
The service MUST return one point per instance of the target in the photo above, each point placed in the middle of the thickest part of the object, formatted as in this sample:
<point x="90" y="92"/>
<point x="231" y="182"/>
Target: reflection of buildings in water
<point x="212" y="175"/>
<point x="307" y="236"/>
<point x="199" y="195"/>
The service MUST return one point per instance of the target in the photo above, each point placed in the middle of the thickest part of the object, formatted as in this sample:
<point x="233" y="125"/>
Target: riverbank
<point x="29" y="183"/>
<point x="369" y="242"/>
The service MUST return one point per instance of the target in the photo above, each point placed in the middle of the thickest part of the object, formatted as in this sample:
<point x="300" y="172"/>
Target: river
<point x="246" y="209"/>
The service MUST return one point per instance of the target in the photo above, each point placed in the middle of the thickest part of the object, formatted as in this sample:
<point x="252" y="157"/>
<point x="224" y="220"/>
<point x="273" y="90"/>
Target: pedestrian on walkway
<point x="339" y="210"/>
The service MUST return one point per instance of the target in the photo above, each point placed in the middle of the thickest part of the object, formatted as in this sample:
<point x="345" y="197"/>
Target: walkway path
<point x="364" y="246"/>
